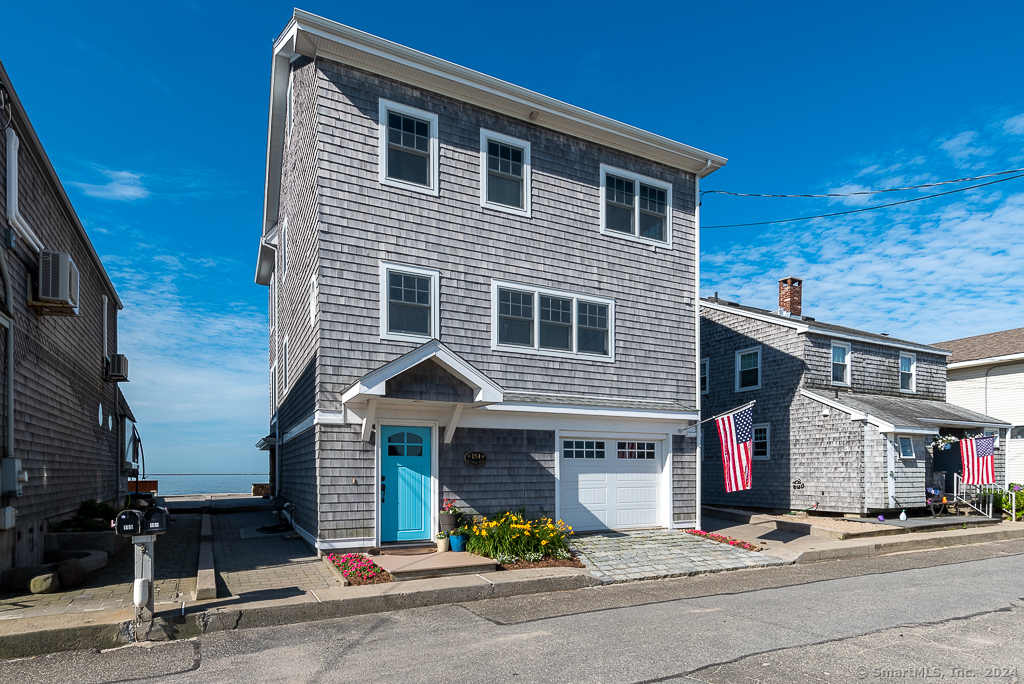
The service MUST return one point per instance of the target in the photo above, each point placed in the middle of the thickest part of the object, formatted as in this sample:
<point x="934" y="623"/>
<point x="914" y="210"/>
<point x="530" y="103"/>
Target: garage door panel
<point x="596" y="497"/>
<point x="636" y="477"/>
<point x="636" y="495"/>
<point x="592" y="477"/>
<point x="636" y="518"/>
<point x="612" y="492"/>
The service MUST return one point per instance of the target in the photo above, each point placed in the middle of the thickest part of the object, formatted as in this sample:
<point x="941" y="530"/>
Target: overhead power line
<point x="865" y="192"/>
<point x="877" y="206"/>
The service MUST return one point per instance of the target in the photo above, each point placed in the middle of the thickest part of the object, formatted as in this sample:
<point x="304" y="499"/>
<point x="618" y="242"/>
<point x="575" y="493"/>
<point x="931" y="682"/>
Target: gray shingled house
<point x="65" y="423"/>
<point x="459" y="266"/>
<point x="844" y="419"/>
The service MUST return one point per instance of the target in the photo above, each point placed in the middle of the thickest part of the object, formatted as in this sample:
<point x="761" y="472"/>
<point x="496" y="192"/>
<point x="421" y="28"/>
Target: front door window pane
<point x="555" y="323"/>
<point x="515" y="318"/>
<point x="408" y="304"/>
<point x="593" y="328"/>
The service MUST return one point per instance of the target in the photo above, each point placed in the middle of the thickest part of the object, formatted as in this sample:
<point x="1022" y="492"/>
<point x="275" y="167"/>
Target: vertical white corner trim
<point x="103" y="299"/>
<point x="371" y="412"/>
<point x="699" y="455"/>
<point x="13" y="213"/>
<point x="453" y="422"/>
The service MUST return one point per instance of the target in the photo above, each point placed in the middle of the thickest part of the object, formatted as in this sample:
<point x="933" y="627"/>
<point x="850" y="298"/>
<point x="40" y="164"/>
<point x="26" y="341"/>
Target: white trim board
<point x="991" y="360"/>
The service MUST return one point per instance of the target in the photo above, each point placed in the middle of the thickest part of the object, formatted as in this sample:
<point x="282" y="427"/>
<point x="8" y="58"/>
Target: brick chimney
<point x="791" y="292"/>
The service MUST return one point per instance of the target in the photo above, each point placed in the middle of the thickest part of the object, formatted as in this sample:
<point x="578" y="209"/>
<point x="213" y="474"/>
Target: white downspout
<point x="14" y="216"/>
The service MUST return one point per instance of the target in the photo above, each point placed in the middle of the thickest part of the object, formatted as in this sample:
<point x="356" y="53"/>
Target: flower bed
<point x="738" y="543"/>
<point x="358" y="569"/>
<point x="510" y="538"/>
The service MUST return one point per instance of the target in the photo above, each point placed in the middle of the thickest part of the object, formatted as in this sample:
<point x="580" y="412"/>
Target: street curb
<point x="364" y="600"/>
<point x="906" y="543"/>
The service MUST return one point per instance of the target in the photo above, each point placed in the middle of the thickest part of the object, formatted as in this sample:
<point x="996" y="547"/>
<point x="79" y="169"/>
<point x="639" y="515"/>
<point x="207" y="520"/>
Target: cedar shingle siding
<point x="59" y="387"/>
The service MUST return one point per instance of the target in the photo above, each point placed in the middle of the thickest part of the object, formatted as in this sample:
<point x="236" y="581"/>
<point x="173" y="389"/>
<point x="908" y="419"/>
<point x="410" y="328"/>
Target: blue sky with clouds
<point x="155" y="115"/>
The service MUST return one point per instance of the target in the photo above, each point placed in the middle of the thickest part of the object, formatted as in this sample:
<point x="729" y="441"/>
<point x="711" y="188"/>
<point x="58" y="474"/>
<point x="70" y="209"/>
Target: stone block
<point x="47" y="583"/>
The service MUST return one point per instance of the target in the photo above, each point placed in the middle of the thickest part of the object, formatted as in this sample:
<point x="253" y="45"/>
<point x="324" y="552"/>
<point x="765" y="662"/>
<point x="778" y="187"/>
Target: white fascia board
<point x="883" y="426"/>
<point x="880" y="342"/>
<point x="463" y="83"/>
<point x="798" y="326"/>
<point x="992" y="360"/>
<point x="964" y="423"/>
<point x="906" y="430"/>
<point x="563" y="409"/>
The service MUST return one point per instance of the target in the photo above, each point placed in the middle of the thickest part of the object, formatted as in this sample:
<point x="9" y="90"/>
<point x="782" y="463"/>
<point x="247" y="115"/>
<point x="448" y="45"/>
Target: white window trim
<point x="707" y="374"/>
<point x="913" y="372"/>
<point x="273" y="391"/>
<point x="290" y="106"/>
<point x="992" y="432"/>
<point x="272" y="309"/>
<point x="740" y="353"/>
<point x="284" y="249"/>
<point x="314" y="299"/>
<point x="629" y="175"/>
<point x="284" y="364"/>
<point x="382" y="151"/>
<point x="535" y="350"/>
<point x="435" y="308"/>
<point x="899" y="447"/>
<point x="849" y="363"/>
<point x="485" y="136"/>
<point x="768" y="438"/>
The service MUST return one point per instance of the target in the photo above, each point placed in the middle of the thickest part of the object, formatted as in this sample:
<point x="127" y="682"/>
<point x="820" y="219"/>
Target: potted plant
<point x="458" y="539"/>
<point x="442" y="541"/>
<point x="449" y="516"/>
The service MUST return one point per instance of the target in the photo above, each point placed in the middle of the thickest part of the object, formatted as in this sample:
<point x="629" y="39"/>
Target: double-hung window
<point x="841" y="363"/>
<point x="748" y="369"/>
<point x="408" y="302"/>
<point x="504" y="173"/>
<point x="635" y="206"/>
<point x="906" y="445"/>
<point x="703" y="376"/>
<point x="908" y="372"/>
<point x="551" y="322"/>
<point x="762" y="442"/>
<point x="408" y="147"/>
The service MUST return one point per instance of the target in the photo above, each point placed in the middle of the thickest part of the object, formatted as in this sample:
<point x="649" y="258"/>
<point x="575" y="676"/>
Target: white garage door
<point x="609" y="484"/>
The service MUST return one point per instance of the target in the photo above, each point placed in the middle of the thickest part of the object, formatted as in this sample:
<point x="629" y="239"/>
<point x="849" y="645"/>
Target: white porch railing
<point x="982" y="497"/>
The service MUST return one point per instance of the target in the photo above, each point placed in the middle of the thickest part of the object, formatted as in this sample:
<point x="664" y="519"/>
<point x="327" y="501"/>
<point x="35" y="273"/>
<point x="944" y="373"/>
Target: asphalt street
<point x="954" y="614"/>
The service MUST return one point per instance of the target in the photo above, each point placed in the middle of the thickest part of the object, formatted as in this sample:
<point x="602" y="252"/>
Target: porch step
<point x="435" y="565"/>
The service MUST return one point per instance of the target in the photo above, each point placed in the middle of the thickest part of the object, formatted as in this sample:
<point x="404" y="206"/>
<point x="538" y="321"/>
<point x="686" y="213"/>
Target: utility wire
<point x="865" y="192"/>
<point x="878" y="206"/>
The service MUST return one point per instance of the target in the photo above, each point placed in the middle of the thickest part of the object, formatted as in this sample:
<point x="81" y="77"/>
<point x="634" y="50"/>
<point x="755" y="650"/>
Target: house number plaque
<point x="476" y="458"/>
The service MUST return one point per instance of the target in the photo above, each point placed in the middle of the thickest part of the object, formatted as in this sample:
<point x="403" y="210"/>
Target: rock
<point x="20" y="577"/>
<point x="72" y="573"/>
<point x="44" y="584"/>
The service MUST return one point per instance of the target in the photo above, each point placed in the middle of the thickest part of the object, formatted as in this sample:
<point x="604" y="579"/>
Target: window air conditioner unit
<point x="117" y="369"/>
<point x="58" y="278"/>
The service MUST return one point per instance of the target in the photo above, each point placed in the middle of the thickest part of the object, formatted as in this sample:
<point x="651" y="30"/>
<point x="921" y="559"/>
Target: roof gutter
<point x="1007" y="358"/>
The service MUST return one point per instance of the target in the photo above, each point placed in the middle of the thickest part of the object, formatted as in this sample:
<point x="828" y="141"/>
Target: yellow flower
<point x="544" y="543"/>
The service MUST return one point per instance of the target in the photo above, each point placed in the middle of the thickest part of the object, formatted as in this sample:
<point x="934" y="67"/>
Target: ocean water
<point x="170" y="485"/>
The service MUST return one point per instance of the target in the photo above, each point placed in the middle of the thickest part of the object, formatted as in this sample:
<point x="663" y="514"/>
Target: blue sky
<point x="155" y="115"/>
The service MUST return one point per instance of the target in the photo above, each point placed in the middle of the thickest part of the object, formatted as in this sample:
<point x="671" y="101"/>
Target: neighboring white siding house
<point x="986" y="374"/>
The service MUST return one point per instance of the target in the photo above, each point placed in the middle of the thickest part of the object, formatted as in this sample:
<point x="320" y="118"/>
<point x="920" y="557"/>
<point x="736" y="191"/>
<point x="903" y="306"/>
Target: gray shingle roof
<point x="908" y="412"/>
<point x="819" y="325"/>
<point x="596" y="402"/>
<point x="1001" y="343"/>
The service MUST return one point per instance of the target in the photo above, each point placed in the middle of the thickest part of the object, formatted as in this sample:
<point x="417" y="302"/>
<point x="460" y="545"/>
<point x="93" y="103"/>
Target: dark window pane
<point x="507" y="191"/>
<point x="748" y="378"/>
<point x="396" y="450"/>
<point x="618" y="219"/>
<point x="838" y="372"/>
<point x="408" y="167"/>
<point x="619" y="190"/>
<point x="515" y="331"/>
<point x="556" y="310"/>
<point x="905" y="379"/>
<point x="593" y="341"/>
<point x="406" y="318"/>
<point x="555" y="336"/>
<point x="652" y="226"/>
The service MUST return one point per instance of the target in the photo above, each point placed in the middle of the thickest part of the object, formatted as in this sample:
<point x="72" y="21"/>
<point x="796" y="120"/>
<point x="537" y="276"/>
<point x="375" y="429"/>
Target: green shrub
<point x="1005" y="501"/>
<point x="95" y="509"/>
<point x="512" y="536"/>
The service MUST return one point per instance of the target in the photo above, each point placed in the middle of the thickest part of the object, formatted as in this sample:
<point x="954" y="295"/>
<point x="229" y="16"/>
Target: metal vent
<point x="58" y="278"/>
<point x="117" y="371"/>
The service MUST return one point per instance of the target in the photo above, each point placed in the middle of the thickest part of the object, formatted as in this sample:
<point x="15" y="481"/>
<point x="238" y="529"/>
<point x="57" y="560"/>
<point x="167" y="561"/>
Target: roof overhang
<point x="964" y="423"/>
<point x="888" y="427"/>
<point x="989" y="361"/>
<point x="374" y="384"/>
<point x="267" y="443"/>
<point x="313" y="36"/>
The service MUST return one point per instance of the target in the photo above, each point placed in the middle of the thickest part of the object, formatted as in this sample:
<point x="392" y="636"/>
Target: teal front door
<point x="404" y="483"/>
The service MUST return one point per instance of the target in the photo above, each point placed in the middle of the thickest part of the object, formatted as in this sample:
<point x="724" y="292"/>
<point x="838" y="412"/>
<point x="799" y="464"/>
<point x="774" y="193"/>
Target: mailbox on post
<point x="128" y="523"/>
<point x="154" y="521"/>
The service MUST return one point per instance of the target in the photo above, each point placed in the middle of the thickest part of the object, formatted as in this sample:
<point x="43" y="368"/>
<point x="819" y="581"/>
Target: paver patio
<point x="653" y="554"/>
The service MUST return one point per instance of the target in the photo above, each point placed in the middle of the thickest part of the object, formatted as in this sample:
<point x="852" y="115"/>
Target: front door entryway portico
<point x="405" y="483"/>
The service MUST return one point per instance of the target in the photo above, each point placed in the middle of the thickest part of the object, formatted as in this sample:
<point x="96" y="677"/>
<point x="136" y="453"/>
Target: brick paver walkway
<point x="653" y="554"/>
<point x="177" y="560"/>
<point x="264" y="565"/>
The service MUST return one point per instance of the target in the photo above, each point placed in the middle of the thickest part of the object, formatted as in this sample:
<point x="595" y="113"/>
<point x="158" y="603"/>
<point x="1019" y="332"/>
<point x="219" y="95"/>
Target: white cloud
<point x="1014" y="125"/>
<point x="123" y="186"/>
<point x="960" y="147"/>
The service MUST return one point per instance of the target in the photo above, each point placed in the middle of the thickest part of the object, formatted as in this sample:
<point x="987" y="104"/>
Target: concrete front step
<point x="435" y="565"/>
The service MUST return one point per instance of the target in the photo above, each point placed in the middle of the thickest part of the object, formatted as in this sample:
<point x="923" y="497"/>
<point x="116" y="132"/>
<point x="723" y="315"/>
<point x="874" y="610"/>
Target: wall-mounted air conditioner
<point x="117" y="369"/>
<point x="58" y="279"/>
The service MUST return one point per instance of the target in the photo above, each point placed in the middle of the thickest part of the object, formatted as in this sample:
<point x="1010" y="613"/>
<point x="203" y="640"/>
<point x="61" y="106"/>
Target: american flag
<point x="736" y="432"/>
<point x="979" y="461"/>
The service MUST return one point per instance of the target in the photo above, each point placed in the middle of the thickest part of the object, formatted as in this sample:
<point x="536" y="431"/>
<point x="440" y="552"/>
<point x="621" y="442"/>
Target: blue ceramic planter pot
<point x="458" y="542"/>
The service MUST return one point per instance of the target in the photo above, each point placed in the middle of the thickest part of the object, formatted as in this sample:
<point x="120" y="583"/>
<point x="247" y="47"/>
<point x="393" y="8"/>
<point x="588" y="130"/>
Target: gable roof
<point x="991" y="346"/>
<point x="806" y="324"/>
<point x="905" y="414"/>
<point x="311" y="36"/>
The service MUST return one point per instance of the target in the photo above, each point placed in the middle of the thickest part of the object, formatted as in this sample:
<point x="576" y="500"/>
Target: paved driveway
<point x="653" y="554"/>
